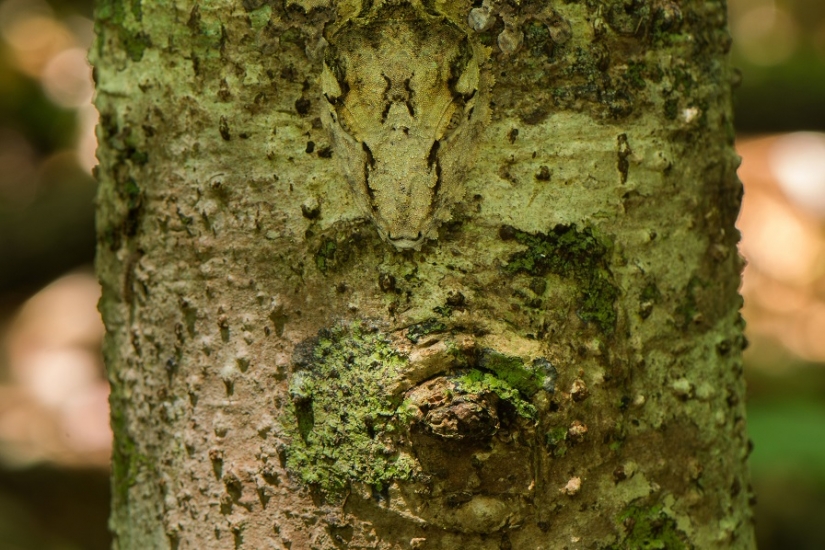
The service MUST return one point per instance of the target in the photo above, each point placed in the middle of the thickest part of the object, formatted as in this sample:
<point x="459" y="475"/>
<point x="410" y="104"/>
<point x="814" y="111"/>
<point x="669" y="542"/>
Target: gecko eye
<point x="399" y="92"/>
<point x="344" y="126"/>
<point x="455" y="121"/>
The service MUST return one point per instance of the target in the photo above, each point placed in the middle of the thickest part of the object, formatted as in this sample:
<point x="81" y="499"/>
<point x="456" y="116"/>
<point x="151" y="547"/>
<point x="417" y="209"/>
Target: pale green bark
<point x="585" y="291"/>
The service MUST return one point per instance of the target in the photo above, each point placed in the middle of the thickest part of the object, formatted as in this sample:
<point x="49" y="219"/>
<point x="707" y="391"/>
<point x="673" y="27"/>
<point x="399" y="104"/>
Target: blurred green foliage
<point x="51" y="234"/>
<point x="783" y="98"/>
<point x="46" y="508"/>
<point x="50" y="230"/>
<point x="785" y="94"/>
<point x="26" y="109"/>
<point x="789" y="436"/>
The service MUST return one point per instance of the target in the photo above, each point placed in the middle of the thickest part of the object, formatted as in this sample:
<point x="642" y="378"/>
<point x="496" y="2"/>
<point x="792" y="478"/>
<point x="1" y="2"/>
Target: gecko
<point x="401" y="89"/>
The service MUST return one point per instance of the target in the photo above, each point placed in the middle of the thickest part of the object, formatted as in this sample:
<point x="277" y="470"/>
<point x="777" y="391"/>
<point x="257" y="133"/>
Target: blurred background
<point x="54" y="434"/>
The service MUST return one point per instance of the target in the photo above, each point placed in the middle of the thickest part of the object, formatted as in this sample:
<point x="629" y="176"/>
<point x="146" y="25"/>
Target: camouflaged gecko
<point x="402" y="89"/>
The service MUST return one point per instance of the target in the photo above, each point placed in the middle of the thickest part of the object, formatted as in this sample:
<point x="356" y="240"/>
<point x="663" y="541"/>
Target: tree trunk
<point x="421" y="274"/>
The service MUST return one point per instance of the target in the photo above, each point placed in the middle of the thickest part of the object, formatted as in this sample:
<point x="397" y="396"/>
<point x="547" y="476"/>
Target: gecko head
<point x="401" y="186"/>
<point x="400" y="104"/>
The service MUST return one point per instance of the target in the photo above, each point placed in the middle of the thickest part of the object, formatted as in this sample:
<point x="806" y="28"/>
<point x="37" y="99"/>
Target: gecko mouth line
<point x="405" y="241"/>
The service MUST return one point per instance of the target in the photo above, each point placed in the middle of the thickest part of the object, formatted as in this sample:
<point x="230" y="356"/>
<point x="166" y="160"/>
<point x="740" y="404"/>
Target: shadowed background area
<point x="54" y="434"/>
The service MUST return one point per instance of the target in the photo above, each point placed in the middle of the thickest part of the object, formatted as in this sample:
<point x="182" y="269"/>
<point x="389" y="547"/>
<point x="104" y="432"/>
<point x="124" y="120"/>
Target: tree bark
<point x="421" y="274"/>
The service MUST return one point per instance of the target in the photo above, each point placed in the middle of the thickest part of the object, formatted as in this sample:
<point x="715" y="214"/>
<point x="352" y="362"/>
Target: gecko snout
<point x="405" y="240"/>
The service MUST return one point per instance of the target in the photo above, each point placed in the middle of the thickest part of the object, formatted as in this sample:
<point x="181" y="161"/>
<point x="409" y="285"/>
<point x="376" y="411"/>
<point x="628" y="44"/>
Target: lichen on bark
<point x="579" y="255"/>
<point x="346" y="427"/>
<point x="344" y="418"/>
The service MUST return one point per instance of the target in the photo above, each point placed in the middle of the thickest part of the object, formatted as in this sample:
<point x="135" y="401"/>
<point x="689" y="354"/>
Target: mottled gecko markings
<point x="402" y="90"/>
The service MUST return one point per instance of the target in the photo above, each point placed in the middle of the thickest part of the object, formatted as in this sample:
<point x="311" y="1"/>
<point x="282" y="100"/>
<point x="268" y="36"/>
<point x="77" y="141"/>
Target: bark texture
<point x="560" y="368"/>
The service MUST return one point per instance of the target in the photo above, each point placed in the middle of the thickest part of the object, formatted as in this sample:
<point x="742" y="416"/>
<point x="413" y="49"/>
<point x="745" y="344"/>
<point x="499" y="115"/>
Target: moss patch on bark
<point x="649" y="528"/>
<point x="344" y="424"/>
<point x="113" y="15"/>
<point x="479" y="382"/>
<point x="127" y="462"/>
<point x="512" y="370"/>
<point x="579" y="255"/>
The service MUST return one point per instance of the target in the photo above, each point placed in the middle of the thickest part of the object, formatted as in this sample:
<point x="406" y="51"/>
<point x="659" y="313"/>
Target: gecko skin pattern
<point x="401" y="86"/>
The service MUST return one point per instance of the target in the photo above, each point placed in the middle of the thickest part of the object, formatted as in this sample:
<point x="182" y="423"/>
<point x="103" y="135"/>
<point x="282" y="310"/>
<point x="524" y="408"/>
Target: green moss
<point x="688" y="308"/>
<point x="418" y="331"/>
<point x="126" y="461"/>
<point x="649" y="297"/>
<point x="132" y="194"/>
<point x="671" y="109"/>
<point x="537" y="39"/>
<point x="335" y="251"/>
<point x="562" y="251"/>
<point x="344" y="421"/>
<point x="650" y="293"/>
<point x="112" y="15"/>
<point x="649" y="528"/>
<point x="141" y="158"/>
<point x="635" y="75"/>
<point x="306" y="419"/>
<point x="444" y="311"/>
<point x="628" y="17"/>
<point x="667" y="24"/>
<point x="512" y="371"/>
<point x="135" y="43"/>
<point x="617" y="434"/>
<point x="122" y="452"/>
<point x="137" y="9"/>
<point x="578" y="255"/>
<point x="476" y="381"/>
<point x="556" y="441"/>
<point x="325" y="255"/>
<point x="683" y="80"/>
<point x="598" y="296"/>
